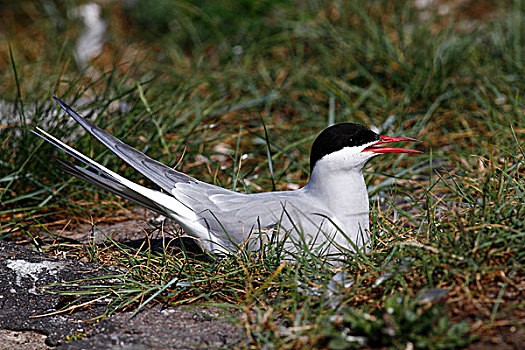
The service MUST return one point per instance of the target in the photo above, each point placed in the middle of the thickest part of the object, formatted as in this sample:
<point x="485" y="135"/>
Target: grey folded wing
<point x="237" y="217"/>
<point x="162" y="175"/>
<point x="229" y="216"/>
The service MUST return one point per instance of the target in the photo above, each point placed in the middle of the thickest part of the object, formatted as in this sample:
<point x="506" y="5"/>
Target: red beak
<point x="388" y="139"/>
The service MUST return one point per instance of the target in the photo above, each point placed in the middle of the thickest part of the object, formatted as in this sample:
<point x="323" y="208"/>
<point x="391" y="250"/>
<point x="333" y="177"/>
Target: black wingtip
<point x="72" y="113"/>
<point x="62" y="104"/>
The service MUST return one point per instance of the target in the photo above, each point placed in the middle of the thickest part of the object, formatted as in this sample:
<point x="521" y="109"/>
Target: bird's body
<point x="226" y="218"/>
<point x="329" y="215"/>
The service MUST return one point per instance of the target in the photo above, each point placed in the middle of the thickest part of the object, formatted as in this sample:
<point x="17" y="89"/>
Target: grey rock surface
<point x="23" y="274"/>
<point x="28" y="314"/>
<point x="174" y="328"/>
<point x="26" y="340"/>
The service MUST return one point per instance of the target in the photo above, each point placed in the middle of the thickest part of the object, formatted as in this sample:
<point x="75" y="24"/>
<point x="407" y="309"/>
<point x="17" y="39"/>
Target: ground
<point x="30" y="317"/>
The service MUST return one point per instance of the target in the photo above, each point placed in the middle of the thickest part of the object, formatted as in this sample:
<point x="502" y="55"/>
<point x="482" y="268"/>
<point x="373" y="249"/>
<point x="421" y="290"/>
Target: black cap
<point x="339" y="136"/>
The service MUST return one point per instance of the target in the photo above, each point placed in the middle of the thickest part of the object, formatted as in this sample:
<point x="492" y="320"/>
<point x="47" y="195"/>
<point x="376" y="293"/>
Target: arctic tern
<point x="329" y="215"/>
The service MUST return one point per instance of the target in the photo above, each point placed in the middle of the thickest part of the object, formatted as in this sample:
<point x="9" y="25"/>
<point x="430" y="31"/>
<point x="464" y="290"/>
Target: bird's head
<point x="349" y="146"/>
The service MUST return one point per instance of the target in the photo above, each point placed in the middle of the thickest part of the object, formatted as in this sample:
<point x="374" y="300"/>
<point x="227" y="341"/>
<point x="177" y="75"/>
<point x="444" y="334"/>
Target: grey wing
<point x="162" y="175"/>
<point x="233" y="216"/>
<point x="109" y="184"/>
<point x="228" y="215"/>
<point x="224" y="211"/>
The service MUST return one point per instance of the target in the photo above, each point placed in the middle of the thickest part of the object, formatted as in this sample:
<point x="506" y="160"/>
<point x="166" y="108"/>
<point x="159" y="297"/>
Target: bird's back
<point x="235" y="219"/>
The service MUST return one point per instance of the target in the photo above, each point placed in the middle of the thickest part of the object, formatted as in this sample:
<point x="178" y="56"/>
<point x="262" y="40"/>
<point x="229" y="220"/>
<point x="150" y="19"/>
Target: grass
<point x="237" y="100"/>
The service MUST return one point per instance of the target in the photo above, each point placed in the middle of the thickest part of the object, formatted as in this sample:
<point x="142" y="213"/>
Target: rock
<point x="25" y="305"/>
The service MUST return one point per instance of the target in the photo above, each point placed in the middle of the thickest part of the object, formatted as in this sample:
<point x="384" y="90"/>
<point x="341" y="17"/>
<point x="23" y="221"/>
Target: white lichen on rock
<point x="32" y="270"/>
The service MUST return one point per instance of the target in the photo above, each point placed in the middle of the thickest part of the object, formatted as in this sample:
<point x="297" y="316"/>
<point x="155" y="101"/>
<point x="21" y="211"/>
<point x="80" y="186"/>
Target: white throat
<point x="337" y="182"/>
<point x="342" y="190"/>
<point x="337" y="179"/>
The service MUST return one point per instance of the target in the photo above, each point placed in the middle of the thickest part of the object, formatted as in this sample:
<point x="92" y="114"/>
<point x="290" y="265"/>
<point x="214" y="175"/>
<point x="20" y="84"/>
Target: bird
<point x="329" y="215"/>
